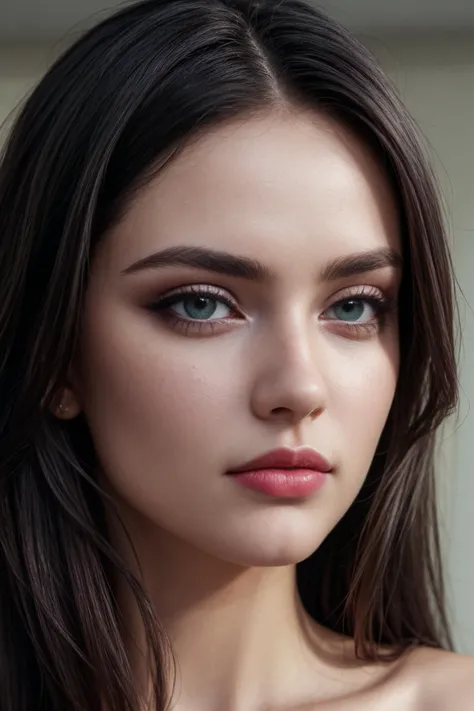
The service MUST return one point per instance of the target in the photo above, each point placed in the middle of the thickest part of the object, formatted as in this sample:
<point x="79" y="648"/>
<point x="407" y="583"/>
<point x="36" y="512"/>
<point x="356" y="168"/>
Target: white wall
<point x="436" y="78"/>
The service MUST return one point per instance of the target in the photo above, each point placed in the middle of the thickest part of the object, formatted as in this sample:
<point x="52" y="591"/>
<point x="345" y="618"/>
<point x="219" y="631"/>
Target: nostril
<point x="280" y="410"/>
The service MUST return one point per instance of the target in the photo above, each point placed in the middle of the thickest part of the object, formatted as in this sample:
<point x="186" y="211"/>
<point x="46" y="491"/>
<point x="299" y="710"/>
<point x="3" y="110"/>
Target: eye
<point x="202" y="308"/>
<point x="196" y="306"/>
<point x="355" y="310"/>
<point x="361" y="313"/>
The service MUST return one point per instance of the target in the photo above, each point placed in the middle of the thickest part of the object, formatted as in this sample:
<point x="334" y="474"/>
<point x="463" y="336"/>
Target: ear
<point x="66" y="405"/>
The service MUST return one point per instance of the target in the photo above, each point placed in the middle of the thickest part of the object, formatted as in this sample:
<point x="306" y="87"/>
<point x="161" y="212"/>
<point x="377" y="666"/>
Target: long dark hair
<point x="111" y="112"/>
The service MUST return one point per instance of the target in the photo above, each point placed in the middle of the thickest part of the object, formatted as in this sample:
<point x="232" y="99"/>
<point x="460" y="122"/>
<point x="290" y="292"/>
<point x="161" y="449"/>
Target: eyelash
<point x="163" y="307"/>
<point x="379" y="302"/>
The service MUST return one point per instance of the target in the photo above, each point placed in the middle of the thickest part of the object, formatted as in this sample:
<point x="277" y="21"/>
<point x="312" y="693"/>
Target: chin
<point x="270" y="545"/>
<point x="266" y="556"/>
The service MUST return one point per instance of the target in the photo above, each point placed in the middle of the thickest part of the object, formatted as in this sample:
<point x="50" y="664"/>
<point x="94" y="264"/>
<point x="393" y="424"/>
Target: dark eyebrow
<point x="246" y="268"/>
<point x="210" y="260"/>
<point x="361" y="262"/>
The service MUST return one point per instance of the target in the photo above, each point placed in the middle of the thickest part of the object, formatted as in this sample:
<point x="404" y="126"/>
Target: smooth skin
<point x="298" y="345"/>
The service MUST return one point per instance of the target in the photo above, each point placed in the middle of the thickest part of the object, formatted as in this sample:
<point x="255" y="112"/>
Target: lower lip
<point x="282" y="483"/>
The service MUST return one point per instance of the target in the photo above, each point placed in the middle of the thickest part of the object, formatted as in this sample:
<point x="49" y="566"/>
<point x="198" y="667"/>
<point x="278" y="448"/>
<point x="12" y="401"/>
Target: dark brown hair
<point x="109" y="113"/>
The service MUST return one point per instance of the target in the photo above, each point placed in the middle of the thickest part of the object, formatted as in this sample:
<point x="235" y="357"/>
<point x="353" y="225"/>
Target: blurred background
<point x="427" y="47"/>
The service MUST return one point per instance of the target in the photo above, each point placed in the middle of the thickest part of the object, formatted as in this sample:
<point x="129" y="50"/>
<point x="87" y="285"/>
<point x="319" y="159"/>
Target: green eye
<point x="200" y="307"/>
<point x="197" y="304"/>
<point x="350" y="310"/>
<point x="353" y="310"/>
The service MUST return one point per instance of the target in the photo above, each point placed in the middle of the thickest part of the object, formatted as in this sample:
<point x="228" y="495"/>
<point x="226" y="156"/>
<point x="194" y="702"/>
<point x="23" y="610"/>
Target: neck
<point x="239" y="635"/>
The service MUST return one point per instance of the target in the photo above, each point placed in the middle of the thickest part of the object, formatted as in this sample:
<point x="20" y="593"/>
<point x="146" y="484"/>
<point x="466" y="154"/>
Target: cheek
<point x="154" y="401"/>
<point x="364" y="383"/>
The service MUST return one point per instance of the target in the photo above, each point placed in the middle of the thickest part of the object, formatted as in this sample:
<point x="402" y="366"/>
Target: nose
<point x="289" y="385"/>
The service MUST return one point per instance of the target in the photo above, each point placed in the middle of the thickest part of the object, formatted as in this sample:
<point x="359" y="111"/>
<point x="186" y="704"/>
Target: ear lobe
<point x="67" y="406"/>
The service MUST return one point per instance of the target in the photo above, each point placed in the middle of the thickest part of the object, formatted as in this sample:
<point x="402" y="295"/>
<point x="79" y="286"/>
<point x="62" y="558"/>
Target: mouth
<point x="284" y="473"/>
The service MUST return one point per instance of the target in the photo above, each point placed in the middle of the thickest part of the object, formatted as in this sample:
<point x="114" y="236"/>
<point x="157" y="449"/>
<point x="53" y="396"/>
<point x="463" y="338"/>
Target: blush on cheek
<point x="146" y="391"/>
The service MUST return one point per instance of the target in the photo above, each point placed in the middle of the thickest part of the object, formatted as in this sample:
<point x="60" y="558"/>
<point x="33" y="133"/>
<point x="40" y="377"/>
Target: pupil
<point x="200" y="307"/>
<point x="349" y="306"/>
<point x="351" y="310"/>
<point x="200" y="302"/>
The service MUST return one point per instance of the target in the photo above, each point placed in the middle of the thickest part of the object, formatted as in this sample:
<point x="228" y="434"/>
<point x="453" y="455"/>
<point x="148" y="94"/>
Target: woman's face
<point x="245" y="302"/>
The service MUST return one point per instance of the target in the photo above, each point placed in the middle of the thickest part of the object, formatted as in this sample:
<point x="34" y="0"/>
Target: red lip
<point x="285" y="458"/>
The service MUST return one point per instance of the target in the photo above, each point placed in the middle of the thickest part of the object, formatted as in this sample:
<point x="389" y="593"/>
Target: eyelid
<point x="198" y="289"/>
<point x="357" y="291"/>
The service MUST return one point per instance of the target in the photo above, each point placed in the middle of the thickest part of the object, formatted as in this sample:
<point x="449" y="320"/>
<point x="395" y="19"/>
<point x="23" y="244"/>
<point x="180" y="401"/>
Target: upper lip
<point x="286" y="458"/>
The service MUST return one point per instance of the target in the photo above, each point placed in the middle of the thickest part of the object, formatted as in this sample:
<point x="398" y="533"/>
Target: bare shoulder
<point x="444" y="680"/>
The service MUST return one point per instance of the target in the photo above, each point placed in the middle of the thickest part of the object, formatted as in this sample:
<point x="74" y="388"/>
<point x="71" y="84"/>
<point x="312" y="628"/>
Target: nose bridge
<point x="299" y="355"/>
<point x="290" y="378"/>
<point x="295" y="332"/>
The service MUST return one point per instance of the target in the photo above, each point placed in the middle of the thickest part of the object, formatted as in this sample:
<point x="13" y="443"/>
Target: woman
<point x="226" y="344"/>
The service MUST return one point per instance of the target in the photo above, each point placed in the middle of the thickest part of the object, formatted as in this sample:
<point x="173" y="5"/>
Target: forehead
<point x="282" y="184"/>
